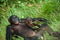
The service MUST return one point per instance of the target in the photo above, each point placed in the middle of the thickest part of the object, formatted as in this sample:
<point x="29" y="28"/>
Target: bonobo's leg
<point x="50" y="31"/>
<point x="8" y="34"/>
<point x="46" y="28"/>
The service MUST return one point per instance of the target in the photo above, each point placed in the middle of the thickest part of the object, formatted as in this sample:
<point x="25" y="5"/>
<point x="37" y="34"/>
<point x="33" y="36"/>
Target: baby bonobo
<point x="19" y="29"/>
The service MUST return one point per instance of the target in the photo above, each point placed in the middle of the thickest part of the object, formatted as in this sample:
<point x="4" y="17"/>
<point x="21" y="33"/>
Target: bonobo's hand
<point x="38" y="29"/>
<point x="56" y="34"/>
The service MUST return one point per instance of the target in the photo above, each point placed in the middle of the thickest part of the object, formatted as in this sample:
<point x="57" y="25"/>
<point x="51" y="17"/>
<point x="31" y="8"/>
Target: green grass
<point x="44" y="9"/>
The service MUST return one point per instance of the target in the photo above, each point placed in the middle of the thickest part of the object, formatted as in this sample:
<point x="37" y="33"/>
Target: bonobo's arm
<point x="30" y="26"/>
<point x="36" y="25"/>
<point x="40" y="19"/>
<point x="34" y="19"/>
<point x="8" y="33"/>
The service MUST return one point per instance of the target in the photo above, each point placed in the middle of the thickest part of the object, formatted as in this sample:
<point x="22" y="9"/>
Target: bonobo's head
<point x="29" y="20"/>
<point x="13" y="19"/>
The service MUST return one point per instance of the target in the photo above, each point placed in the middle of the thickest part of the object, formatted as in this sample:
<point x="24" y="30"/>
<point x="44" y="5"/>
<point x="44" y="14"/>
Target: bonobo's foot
<point x="56" y="34"/>
<point x="57" y="38"/>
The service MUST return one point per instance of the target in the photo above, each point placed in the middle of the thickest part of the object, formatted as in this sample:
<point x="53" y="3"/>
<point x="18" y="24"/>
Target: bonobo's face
<point x="29" y="20"/>
<point x="14" y="19"/>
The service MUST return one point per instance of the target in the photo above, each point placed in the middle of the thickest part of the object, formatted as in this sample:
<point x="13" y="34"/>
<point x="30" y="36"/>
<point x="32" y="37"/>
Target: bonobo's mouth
<point x="17" y="22"/>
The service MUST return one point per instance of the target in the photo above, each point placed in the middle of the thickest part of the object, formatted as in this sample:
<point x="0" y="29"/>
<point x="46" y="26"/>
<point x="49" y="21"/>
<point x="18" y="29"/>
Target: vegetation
<point x="49" y="9"/>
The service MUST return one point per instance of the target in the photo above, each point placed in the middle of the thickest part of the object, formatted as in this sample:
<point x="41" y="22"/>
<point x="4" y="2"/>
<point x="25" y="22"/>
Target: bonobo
<point x="19" y="29"/>
<point x="24" y="28"/>
<point x="29" y="21"/>
<point x="30" y="24"/>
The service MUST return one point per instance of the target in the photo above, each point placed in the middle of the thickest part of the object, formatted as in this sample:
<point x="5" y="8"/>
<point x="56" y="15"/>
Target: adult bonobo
<point x="19" y="29"/>
<point x="24" y="28"/>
